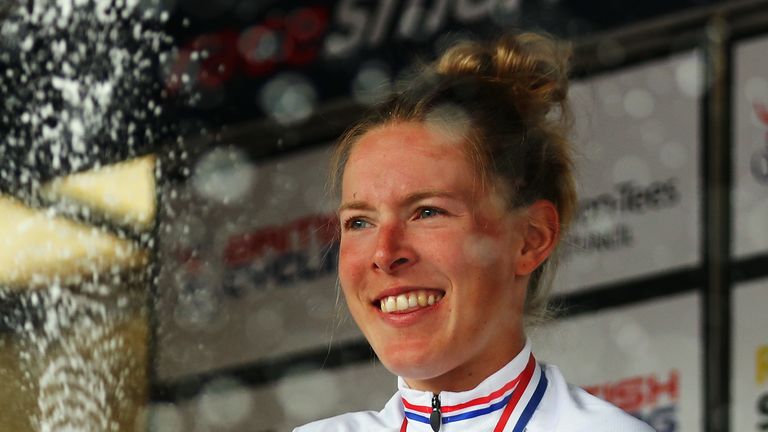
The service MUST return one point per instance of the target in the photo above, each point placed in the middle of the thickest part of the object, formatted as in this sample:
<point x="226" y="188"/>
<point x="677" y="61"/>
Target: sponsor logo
<point x="650" y="398"/>
<point x="274" y="256"/>
<point x="301" y="36"/>
<point x="600" y="222"/>
<point x="369" y="24"/>
<point x="210" y="60"/>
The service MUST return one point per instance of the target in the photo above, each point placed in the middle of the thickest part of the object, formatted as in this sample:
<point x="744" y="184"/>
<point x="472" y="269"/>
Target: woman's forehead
<point x="406" y="139"/>
<point x="400" y="160"/>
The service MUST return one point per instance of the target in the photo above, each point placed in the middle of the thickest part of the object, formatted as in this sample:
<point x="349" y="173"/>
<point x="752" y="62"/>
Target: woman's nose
<point x="393" y="251"/>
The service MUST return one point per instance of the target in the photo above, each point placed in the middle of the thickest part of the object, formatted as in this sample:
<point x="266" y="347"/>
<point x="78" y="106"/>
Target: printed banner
<point x="247" y="251"/>
<point x="646" y="359"/>
<point x="750" y="161"/>
<point x="637" y="139"/>
<point x="226" y="404"/>
<point x="248" y="264"/>
<point x="749" y="361"/>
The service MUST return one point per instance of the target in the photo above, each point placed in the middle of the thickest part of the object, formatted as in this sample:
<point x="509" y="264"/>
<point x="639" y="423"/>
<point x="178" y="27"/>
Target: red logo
<point x="635" y="393"/>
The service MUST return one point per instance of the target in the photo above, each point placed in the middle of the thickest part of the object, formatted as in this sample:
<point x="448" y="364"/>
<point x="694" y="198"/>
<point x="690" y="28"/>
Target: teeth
<point x="412" y="300"/>
<point x="422" y="298"/>
<point x="391" y="304"/>
<point x="402" y="302"/>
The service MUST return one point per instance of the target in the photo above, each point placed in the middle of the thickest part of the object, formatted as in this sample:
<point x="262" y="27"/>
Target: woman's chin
<point x="411" y="364"/>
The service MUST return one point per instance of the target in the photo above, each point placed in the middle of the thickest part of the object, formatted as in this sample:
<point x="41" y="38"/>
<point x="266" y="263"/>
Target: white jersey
<point x="522" y="396"/>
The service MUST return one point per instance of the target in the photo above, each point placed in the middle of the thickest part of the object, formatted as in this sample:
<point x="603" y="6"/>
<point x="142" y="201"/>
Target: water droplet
<point x="288" y="98"/>
<point x="481" y="250"/>
<point x="224" y="403"/>
<point x="372" y="84"/>
<point x="630" y="337"/>
<point x="259" y="46"/>
<point x="299" y="396"/>
<point x="165" y="417"/>
<point x="638" y="103"/>
<point x="224" y="175"/>
<point x="451" y="121"/>
<point x="690" y="77"/>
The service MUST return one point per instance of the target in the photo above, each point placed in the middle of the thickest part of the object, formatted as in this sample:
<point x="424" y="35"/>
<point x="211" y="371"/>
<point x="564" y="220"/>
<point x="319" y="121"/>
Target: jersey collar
<point x="489" y="397"/>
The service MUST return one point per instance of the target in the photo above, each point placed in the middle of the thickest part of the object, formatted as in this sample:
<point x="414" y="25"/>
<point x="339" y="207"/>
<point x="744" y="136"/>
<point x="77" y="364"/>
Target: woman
<point x="454" y="196"/>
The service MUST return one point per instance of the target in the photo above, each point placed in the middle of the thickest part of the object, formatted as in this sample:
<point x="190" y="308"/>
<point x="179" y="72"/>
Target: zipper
<point x="435" y="418"/>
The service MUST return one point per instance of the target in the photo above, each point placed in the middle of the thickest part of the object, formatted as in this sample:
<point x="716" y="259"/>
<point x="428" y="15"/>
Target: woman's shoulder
<point x="577" y="410"/>
<point x="359" y="421"/>
<point x="348" y="422"/>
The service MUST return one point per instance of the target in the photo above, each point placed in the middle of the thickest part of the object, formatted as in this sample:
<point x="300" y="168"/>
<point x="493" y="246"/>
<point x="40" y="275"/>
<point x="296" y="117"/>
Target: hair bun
<point x="533" y="67"/>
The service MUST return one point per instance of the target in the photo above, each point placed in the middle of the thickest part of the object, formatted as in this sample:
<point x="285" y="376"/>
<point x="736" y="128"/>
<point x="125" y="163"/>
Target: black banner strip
<point x="754" y="267"/>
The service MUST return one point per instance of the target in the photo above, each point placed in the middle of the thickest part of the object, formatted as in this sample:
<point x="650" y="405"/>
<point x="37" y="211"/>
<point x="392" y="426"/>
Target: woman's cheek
<point x="351" y="261"/>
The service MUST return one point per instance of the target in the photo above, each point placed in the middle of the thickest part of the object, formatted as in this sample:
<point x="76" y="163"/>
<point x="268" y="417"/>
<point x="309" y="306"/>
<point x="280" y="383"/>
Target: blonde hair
<point x="514" y="95"/>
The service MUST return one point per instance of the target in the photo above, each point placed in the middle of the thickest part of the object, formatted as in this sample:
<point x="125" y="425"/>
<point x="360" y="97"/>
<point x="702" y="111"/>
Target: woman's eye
<point x="428" y="212"/>
<point x="356" y="224"/>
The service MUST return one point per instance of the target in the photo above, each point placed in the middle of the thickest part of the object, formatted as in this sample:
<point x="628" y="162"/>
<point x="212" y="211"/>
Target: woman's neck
<point x="470" y="374"/>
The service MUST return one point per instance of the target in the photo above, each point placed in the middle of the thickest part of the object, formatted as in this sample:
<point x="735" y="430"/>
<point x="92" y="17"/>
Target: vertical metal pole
<point x="717" y="222"/>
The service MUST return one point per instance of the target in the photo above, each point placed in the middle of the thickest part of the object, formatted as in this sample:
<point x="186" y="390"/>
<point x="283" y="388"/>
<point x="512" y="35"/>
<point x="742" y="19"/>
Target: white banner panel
<point x="227" y="405"/>
<point x="750" y="161"/>
<point x="247" y="272"/>
<point x="749" y="361"/>
<point x="637" y="138"/>
<point x="644" y="358"/>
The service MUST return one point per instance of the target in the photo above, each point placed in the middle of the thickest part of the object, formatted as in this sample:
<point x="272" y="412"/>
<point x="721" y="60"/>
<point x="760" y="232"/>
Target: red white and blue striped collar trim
<point x="467" y="405"/>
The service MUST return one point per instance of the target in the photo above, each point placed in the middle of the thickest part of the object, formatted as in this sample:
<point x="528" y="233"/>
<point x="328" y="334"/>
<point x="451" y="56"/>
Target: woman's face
<point x="421" y="236"/>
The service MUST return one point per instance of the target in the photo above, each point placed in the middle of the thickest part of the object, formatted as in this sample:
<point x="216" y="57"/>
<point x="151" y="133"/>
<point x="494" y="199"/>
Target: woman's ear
<point x="541" y="233"/>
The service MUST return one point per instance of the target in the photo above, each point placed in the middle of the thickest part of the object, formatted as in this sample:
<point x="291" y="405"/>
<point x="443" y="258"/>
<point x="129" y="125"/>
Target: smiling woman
<point x="453" y="197"/>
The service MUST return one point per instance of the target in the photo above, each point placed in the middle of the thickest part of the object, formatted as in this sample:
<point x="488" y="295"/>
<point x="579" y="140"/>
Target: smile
<point x="410" y="301"/>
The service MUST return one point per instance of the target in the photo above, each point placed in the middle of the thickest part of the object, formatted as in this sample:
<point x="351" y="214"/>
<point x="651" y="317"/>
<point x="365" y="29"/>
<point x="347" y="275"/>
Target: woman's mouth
<point x="410" y="301"/>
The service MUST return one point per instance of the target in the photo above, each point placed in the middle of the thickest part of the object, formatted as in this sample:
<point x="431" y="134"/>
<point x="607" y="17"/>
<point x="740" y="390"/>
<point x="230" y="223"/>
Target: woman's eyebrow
<point x="430" y="193"/>
<point x="409" y="199"/>
<point x="354" y="205"/>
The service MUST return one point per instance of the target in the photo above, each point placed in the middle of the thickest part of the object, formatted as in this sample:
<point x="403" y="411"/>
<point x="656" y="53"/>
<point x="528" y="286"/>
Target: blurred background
<point x="166" y="242"/>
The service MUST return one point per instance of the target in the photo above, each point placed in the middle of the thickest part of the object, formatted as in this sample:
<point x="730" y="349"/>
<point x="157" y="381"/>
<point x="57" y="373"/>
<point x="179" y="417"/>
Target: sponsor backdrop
<point x="750" y="161"/>
<point x="637" y="135"/>
<point x="249" y="265"/>
<point x="249" y="261"/>
<point x="749" y="383"/>
<point x="226" y="405"/>
<point x="644" y="358"/>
